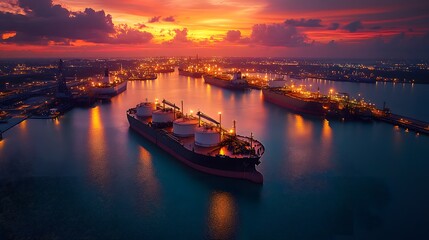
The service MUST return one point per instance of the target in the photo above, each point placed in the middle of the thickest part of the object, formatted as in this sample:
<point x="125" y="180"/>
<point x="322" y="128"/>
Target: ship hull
<point x="110" y="91"/>
<point x="190" y="74"/>
<point x="228" y="84"/>
<point x="294" y="104"/>
<point x="240" y="168"/>
<point x="142" y="79"/>
<point x="165" y="71"/>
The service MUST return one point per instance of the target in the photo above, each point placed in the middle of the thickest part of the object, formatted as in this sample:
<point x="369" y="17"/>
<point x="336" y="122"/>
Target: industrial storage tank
<point x="162" y="116"/>
<point x="207" y="137"/>
<point x="184" y="127"/>
<point x="145" y="109"/>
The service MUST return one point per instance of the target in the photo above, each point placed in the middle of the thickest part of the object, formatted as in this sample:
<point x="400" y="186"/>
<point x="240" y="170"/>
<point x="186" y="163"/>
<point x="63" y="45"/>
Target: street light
<point x="220" y="119"/>
<point x="220" y="125"/>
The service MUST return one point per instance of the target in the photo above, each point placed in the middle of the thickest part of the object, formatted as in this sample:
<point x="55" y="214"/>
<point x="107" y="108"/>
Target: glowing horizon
<point x="290" y="28"/>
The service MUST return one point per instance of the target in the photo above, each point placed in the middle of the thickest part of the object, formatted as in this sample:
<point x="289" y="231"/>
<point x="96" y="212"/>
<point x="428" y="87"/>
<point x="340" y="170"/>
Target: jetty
<point x="408" y="123"/>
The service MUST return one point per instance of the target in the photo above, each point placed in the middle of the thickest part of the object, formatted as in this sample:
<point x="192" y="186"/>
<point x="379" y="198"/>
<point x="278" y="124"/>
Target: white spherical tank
<point x="206" y="137"/>
<point x="145" y="109"/>
<point x="160" y="116"/>
<point x="184" y="127"/>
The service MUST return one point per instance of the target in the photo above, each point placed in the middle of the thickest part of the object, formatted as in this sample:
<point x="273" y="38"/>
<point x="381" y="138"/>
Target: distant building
<point x="62" y="90"/>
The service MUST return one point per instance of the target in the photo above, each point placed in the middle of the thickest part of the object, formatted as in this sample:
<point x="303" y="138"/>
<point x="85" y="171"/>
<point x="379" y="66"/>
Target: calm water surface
<point x="87" y="175"/>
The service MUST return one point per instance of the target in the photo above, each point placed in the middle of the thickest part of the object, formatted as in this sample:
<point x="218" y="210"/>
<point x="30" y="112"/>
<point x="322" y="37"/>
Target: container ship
<point x="202" y="145"/>
<point x="107" y="86"/>
<point x="236" y="82"/>
<point x="190" y="72"/>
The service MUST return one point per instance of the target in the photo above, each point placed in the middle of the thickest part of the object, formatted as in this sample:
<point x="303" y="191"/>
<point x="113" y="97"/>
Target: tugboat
<point x="202" y="145"/>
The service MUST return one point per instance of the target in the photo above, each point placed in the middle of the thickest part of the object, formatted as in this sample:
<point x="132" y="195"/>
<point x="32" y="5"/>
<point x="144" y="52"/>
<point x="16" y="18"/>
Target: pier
<point x="401" y="121"/>
<point x="11" y="123"/>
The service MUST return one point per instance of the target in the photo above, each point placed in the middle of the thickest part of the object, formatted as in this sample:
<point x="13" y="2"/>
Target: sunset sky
<point x="278" y="28"/>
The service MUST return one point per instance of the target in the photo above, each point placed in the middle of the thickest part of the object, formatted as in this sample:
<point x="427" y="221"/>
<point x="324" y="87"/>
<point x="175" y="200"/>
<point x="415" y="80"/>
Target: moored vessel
<point x="234" y="82"/>
<point x="332" y="106"/>
<point x="163" y="69"/>
<point x="143" y="76"/>
<point x="190" y="72"/>
<point x="108" y="86"/>
<point x="308" y="103"/>
<point x="200" y="144"/>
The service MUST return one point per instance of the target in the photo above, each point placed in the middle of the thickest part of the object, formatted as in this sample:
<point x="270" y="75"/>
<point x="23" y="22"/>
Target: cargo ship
<point x="163" y="69"/>
<point x="107" y="86"/>
<point x="143" y="76"/>
<point x="332" y="106"/>
<point x="297" y="101"/>
<point x="236" y="82"/>
<point x="190" y="72"/>
<point x="202" y="145"/>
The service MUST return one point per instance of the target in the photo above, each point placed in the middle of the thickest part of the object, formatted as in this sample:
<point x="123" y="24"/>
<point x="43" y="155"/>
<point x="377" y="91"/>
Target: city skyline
<point x="265" y="28"/>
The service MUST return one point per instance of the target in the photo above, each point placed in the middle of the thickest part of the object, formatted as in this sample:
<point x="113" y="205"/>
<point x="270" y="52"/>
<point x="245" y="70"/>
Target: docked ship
<point x="107" y="86"/>
<point x="202" y="145"/>
<point x="236" y="82"/>
<point x="190" y="72"/>
<point x="332" y="106"/>
<point x="307" y="103"/>
<point x="163" y="69"/>
<point x="143" y="76"/>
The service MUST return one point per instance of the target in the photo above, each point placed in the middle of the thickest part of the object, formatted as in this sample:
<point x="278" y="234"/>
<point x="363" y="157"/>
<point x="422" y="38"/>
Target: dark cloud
<point x="335" y="5"/>
<point x="140" y="25"/>
<point x="397" y="46"/>
<point x="154" y="19"/>
<point x="127" y="35"/>
<point x="277" y="35"/>
<point x="57" y="24"/>
<point x="304" y="22"/>
<point x="375" y="28"/>
<point x="353" y="26"/>
<point x="41" y="8"/>
<point x="44" y="23"/>
<point x="334" y="26"/>
<point x="169" y="19"/>
<point x="233" y="35"/>
<point x="181" y="35"/>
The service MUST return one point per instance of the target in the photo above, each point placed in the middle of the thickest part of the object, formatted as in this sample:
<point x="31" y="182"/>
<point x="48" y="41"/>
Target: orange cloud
<point x="270" y="27"/>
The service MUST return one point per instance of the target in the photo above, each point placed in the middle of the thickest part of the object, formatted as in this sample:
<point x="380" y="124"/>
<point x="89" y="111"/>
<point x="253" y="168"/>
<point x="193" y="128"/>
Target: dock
<point x="11" y="123"/>
<point x="402" y="121"/>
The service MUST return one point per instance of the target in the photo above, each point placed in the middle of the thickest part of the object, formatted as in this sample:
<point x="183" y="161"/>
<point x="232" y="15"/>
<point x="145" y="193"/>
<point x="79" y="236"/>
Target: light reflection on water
<point x="319" y="175"/>
<point x="97" y="161"/>
<point x="308" y="153"/>
<point x="222" y="216"/>
<point x="149" y="197"/>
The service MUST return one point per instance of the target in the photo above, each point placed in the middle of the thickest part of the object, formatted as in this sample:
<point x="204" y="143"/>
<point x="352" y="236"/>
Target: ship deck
<point x="300" y="96"/>
<point x="189" y="143"/>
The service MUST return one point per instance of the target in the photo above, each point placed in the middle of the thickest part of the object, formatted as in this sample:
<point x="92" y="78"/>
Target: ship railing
<point x="256" y="145"/>
<point x="171" y="135"/>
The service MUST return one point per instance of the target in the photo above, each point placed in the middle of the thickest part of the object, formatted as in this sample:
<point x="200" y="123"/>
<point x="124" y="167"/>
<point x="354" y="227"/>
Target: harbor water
<point x="86" y="175"/>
